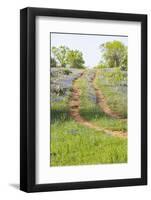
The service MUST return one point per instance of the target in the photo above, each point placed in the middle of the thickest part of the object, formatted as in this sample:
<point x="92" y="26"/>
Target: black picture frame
<point x="28" y="98"/>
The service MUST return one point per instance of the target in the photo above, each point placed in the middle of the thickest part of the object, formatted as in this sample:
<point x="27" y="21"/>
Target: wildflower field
<point x="88" y="116"/>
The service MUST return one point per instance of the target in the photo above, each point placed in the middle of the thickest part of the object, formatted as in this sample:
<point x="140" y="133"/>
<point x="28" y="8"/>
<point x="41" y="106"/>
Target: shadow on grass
<point x="59" y="115"/>
<point x="87" y="113"/>
<point x="93" y="113"/>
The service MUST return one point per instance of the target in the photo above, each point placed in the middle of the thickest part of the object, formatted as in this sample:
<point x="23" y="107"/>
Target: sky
<point x="88" y="44"/>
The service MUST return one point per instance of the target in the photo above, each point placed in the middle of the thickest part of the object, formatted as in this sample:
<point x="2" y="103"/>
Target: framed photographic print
<point x="83" y="95"/>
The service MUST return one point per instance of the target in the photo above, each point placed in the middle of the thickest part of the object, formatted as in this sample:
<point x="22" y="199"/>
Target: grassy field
<point x="115" y="93"/>
<point x="91" y="111"/>
<point x="75" y="144"/>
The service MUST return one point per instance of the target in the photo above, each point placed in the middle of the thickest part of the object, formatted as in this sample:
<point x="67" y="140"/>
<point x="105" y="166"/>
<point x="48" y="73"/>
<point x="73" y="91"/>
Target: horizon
<point x="88" y="44"/>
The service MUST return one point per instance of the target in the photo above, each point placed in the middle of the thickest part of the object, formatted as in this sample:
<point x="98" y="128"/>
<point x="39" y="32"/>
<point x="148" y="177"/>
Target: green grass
<point x="92" y="112"/>
<point x="75" y="144"/>
<point x="85" y="147"/>
<point x="116" y="101"/>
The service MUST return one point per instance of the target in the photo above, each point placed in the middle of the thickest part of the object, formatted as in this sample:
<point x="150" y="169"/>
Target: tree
<point x="75" y="59"/>
<point x="114" y="54"/>
<point x="124" y="60"/>
<point x="60" y="54"/>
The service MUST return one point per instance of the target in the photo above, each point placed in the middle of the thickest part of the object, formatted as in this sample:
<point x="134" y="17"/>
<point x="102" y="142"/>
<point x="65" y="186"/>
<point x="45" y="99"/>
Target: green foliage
<point x="101" y="66"/>
<point x="114" y="54"/>
<point x="60" y="54"/>
<point x="67" y="57"/>
<point x="75" y="59"/>
<point x="124" y="60"/>
<point x="67" y="71"/>
<point x="53" y="62"/>
<point x="117" y="101"/>
<point x="115" y="76"/>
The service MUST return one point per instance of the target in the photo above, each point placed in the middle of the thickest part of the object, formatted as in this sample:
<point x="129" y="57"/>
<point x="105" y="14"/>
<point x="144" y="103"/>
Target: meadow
<point x="87" y="128"/>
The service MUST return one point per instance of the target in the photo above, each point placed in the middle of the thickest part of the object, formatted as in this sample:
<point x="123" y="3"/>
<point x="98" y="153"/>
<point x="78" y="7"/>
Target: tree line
<point x="113" y="55"/>
<point x="65" y="57"/>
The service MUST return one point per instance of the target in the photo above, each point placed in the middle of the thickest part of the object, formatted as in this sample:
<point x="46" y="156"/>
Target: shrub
<point x="101" y="66"/>
<point x="67" y="71"/>
<point x="53" y="62"/>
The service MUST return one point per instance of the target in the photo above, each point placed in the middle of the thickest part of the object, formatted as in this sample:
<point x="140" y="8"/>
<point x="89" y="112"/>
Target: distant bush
<point x="101" y="66"/>
<point x="116" y="76"/>
<point x="67" y="71"/>
<point x="53" y="62"/>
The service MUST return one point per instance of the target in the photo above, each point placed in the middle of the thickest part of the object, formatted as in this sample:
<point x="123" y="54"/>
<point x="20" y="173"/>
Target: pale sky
<point x="88" y="44"/>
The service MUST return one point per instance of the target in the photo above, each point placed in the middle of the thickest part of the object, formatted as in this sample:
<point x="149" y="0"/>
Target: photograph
<point x="83" y="99"/>
<point x="88" y="99"/>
